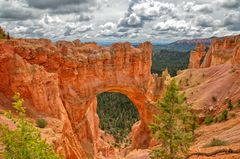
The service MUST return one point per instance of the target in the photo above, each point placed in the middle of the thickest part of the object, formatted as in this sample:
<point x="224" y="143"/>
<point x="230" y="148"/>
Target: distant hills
<point x="184" y="45"/>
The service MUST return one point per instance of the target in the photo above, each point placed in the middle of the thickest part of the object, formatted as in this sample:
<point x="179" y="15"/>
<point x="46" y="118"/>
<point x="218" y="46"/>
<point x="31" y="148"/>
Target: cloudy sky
<point x="120" y="20"/>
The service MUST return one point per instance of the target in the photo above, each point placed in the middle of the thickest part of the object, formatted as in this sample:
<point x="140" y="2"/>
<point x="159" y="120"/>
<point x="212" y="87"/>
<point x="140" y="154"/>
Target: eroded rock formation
<point x="61" y="80"/>
<point x="196" y="56"/>
<point x="221" y="51"/>
<point x="217" y="77"/>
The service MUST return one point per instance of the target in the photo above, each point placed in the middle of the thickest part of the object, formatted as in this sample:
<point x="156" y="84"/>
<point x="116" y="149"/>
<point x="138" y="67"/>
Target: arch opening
<point x="117" y="115"/>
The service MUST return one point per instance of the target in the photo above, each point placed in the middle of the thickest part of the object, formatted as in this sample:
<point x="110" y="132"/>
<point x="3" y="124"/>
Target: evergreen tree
<point x="23" y="142"/>
<point x="230" y="105"/>
<point x="173" y="126"/>
<point x="8" y="36"/>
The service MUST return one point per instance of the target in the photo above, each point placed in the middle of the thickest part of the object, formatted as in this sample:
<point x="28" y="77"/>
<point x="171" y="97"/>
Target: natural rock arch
<point x="62" y="79"/>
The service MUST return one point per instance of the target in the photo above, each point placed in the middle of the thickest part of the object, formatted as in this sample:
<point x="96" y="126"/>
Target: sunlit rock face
<point x="217" y="77"/>
<point x="61" y="80"/>
<point x="196" y="55"/>
<point x="221" y="51"/>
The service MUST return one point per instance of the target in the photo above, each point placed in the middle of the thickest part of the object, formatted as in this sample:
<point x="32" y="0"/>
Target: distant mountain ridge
<point x="194" y="41"/>
<point x="185" y="45"/>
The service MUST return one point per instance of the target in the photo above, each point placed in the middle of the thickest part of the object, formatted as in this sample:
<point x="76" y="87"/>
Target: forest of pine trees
<point x="117" y="115"/>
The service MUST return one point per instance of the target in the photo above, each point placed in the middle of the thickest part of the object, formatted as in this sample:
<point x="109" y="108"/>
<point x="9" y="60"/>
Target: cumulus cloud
<point x="131" y="21"/>
<point x="108" y="29"/>
<point x="172" y="25"/>
<point x="202" y="8"/>
<point x="140" y="11"/>
<point x="151" y="9"/>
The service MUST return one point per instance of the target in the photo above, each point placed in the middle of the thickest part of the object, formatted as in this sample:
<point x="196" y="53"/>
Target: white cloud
<point x="133" y="20"/>
<point x="193" y="7"/>
<point x="172" y="25"/>
<point x="149" y="8"/>
<point x="83" y="28"/>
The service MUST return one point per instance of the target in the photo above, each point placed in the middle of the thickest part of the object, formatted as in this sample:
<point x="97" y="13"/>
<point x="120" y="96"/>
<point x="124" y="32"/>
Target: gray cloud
<point x="54" y="4"/>
<point x="232" y="21"/>
<point x="11" y="10"/>
<point x="230" y="4"/>
<point x="85" y="17"/>
<point x="204" y="21"/>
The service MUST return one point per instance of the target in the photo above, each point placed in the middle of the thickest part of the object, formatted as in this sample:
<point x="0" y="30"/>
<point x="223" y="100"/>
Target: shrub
<point x="208" y="120"/>
<point x="216" y="142"/>
<point x="223" y="116"/>
<point x="214" y="99"/>
<point x="41" y="123"/>
<point x="233" y="115"/>
<point x="194" y="125"/>
<point x="230" y="105"/>
<point x="23" y="142"/>
<point x="187" y="82"/>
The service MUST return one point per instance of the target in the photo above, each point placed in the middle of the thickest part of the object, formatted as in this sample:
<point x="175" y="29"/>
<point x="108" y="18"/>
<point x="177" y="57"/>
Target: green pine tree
<point x="230" y="105"/>
<point x="173" y="126"/>
<point x="23" y="142"/>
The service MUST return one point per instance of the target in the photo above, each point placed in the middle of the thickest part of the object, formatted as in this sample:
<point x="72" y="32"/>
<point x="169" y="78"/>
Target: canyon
<point x="60" y="81"/>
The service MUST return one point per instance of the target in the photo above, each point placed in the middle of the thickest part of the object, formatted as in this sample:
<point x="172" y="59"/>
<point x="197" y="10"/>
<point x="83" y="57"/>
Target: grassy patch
<point x="216" y="142"/>
<point x="41" y="123"/>
<point x="208" y="120"/>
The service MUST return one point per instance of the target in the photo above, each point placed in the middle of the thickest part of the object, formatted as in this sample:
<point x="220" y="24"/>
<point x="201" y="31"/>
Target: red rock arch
<point x="61" y="80"/>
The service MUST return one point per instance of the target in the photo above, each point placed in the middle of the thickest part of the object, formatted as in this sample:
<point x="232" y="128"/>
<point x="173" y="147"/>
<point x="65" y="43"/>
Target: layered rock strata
<point x="61" y="80"/>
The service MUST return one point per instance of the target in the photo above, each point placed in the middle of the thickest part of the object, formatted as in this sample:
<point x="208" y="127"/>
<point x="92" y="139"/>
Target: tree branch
<point x="226" y="151"/>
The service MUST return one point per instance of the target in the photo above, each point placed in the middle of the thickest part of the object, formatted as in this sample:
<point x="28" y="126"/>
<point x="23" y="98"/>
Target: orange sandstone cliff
<point x="60" y="81"/>
<point x="208" y="87"/>
<point x="222" y="50"/>
<point x="196" y="55"/>
<point x="217" y="76"/>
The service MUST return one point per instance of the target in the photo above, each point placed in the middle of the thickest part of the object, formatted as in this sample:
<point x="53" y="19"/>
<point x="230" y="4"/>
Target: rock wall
<point x="61" y="80"/>
<point x="221" y="51"/>
<point x="217" y="77"/>
<point x="196" y="56"/>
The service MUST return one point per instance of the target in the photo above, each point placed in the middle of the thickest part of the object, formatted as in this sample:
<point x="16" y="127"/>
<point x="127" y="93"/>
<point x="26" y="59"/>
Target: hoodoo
<point x="221" y="51"/>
